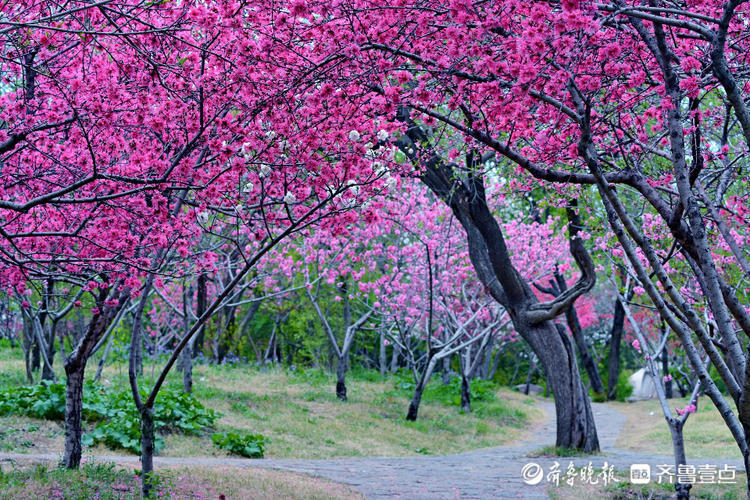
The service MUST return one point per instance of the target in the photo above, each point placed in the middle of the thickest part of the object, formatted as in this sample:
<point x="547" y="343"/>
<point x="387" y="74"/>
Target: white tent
<point x="643" y="385"/>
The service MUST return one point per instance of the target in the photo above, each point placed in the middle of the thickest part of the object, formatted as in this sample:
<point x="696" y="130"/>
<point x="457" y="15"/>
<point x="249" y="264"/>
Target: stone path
<point x="482" y="474"/>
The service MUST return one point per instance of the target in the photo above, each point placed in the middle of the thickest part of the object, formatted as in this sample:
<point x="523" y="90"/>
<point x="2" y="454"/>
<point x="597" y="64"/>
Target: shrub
<point x="45" y="400"/>
<point x="480" y="389"/>
<point x="246" y="445"/>
<point x="118" y="420"/>
<point x="624" y="389"/>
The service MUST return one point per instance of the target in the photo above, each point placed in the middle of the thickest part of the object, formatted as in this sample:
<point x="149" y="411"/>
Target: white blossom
<point x="289" y="198"/>
<point x="264" y="170"/>
<point x="382" y="135"/>
<point x="248" y="188"/>
<point x="354" y="136"/>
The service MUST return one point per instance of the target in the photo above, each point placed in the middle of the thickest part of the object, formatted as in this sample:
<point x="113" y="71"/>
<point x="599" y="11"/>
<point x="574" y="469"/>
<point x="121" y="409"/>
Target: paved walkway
<point x="482" y="474"/>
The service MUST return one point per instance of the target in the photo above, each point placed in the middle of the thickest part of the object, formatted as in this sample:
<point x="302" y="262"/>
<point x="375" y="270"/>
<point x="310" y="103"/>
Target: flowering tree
<point x="576" y="93"/>
<point x="133" y="128"/>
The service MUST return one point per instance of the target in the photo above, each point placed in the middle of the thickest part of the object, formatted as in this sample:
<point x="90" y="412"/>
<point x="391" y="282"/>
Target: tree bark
<point x="186" y="359"/>
<point x="341" y="378"/>
<point x="465" y="394"/>
<point x="615" y="339"/>
<point x="395" y="357"/>
<point x="48" y="372"/>
<point x="446" y="370"/>
<point x="75" y="365"/>
<point x="382" y="358"/>
<point x="529" y="374"/>
<point x="73" y="422"/>
<point x="574" y="324"/>
<point x="36" y="357"/>
<point x="413" y="411"/>
<point x="678" y="445"/>
<point x="665" y="372"/>
<point x="139" y="344"/>
<point x="147" y="450"/>
<point x="200" y="308"/>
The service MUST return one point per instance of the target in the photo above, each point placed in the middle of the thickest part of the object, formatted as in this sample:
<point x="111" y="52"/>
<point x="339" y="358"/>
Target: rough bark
<point x="678" y="445"/>
<point x="615" y="339"/>
<point x="200" y="308"/>
<point x="186" y="359"/>
<point x="147" y="450"/>
<point x="465" y="394"/>
<point x="75" y="365"/>
<point x="341" y="378"/>
<point x="73" y="405"/>
<point x="574" y="324"/>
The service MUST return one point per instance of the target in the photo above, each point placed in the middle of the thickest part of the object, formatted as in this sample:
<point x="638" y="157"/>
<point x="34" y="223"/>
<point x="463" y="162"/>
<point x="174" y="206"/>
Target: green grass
<point x="107" y="481"/>
<point x="300" y="417"/>
<point x="705" y="433"/>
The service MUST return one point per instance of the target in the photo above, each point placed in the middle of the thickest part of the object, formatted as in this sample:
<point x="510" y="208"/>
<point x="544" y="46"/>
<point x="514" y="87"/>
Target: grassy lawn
<point x="300" y="416"/>
<point x="645" y="430"/>
<point x="99" y="480"/>
<point x="651" y="491"/>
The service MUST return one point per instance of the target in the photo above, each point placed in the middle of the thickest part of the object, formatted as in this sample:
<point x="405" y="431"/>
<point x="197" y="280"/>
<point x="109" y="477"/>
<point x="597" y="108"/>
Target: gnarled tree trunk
<point x="464" y="193"/>
<point x="75" y="365"/>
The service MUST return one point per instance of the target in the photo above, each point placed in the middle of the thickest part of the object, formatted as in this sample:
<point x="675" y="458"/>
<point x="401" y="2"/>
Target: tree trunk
<point x="489" y="255"/>
<point x="139" y="346"/>
<point x="341" y="378"/>
<point x="413" y="411"/>
<point x="73" y="405"/>
<point x="382" y="358"/>
<point x="487" y="360"/>
<point x="618" y="323"/>
<point x="47" y="371"/>
<point x="200" y="308"/>
<point x="465" y="394"/>
<point x="36" y="357"/>
<point x="186" y="364"/>
<point x="147" y="450"/>
<point x="27" y="345"/>
<point x="103" y="359"/>
<point x="665" y="372"/>
<point x="394" y="357"/>
<point x="678" y="444"/>
<point x="575" y="419"/>
<point x="571" y="317"/>
<point x="446" y="370"/>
